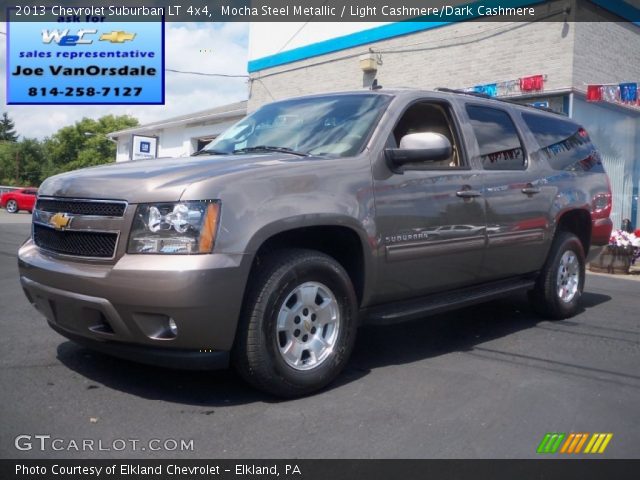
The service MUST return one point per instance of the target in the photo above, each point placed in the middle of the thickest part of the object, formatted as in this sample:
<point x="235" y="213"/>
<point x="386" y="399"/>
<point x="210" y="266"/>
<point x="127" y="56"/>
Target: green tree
<point x="7" y="129"/>
<point x="7" y="163"/>
<point x="71" y="148"/>
<point x="30" y="161"/>
<point x="21" y="163"/>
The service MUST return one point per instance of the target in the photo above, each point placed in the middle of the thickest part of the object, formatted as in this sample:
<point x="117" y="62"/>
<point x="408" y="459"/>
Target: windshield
<point x="336" y="125"/>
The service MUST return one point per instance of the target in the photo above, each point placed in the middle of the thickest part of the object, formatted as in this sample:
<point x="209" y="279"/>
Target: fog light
<point x="173" y="328"/>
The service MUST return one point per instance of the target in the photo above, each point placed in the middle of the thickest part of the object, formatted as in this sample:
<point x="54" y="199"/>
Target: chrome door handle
<point x="530" y="190"/>
<point x="468" y="194"/>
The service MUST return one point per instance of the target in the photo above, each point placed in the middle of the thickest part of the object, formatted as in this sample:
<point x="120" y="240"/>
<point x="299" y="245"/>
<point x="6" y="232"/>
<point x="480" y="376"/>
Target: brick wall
<point x="470" y="53"/>
<point x="454" y="56"/>
<point x="605" y="52"/>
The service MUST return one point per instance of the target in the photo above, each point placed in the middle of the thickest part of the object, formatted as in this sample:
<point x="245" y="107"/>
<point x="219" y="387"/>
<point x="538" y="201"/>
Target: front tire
<point x="12" y="206"/>
<point x="559" y="287"/>
<point x="298" y="323"/>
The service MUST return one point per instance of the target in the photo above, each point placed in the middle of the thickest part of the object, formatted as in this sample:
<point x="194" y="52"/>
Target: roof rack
<point x="489" y="97"/>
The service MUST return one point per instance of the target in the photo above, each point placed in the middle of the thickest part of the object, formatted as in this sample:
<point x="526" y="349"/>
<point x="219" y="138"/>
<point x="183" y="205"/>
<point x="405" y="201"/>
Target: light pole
<point x="100" y="135"/>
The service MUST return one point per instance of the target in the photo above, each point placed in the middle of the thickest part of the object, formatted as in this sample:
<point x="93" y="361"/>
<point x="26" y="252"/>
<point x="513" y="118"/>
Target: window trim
<point x="525" y="151"/>
<point x="456" y="131"/>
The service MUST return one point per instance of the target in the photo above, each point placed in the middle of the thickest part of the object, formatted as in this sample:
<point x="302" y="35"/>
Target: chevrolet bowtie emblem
<point x="117" y="36"/>
<point x="60" y="221"/>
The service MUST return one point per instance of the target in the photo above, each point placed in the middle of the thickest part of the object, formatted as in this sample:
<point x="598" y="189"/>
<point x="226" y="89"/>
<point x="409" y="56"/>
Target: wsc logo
<point x="64" y="39"/>
<point x="573" y="443"/>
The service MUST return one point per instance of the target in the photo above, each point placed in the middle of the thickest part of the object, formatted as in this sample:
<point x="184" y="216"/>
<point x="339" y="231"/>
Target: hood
<point x="155" y="180"/>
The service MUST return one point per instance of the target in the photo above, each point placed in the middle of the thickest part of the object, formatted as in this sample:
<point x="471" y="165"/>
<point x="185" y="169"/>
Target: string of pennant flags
<point x="532" y="83"/>
<point x="626" y="93"/>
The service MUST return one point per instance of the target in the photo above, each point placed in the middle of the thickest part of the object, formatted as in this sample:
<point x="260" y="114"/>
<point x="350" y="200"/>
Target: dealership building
<point x="177" y="136"/>
<point x="551" y="62"/>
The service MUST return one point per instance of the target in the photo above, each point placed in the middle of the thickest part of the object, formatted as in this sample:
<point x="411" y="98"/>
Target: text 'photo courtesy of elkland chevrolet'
<point x="314" y="215"/>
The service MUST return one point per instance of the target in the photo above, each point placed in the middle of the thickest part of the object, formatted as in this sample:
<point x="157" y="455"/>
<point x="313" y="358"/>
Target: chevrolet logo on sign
<point x="117" y="37"/>
<point x="60" y="221"/>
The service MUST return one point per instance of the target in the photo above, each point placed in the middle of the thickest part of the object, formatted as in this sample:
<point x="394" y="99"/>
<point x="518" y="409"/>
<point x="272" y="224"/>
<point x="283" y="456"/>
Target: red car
<point x="20" y="199"/>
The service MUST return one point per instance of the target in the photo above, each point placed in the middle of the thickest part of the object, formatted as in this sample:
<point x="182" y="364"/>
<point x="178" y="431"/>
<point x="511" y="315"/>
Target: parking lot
<point x="487" y="381"/>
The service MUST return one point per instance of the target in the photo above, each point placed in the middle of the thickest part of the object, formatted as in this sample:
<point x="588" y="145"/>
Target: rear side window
<point x="565" y="144"/>
<point x="498" y="139"/>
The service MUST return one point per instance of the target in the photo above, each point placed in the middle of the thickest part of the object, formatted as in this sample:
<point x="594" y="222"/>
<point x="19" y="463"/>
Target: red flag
<point x="594" y="93"/>
<point x="535" y="82"/>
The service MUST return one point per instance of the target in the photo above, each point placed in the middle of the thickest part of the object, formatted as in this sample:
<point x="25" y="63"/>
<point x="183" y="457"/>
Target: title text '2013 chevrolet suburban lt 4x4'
<point x="313" y="215"/>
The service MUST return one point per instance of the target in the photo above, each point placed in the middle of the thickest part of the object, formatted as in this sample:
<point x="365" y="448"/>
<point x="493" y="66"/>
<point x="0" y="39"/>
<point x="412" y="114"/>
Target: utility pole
<point x="17" y="167"/>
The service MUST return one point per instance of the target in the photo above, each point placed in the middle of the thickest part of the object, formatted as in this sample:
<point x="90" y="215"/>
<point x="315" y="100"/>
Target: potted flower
<point x="622" y="252"/>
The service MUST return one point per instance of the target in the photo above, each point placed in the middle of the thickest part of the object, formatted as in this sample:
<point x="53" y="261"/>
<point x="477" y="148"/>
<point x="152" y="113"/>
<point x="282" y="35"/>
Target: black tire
<point x="12" y="206"/>
<point x="546" y="297"/>
<point x="256" y="354"/>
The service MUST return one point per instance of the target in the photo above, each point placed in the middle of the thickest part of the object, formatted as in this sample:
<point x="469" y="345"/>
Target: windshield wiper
<point x="266" y="148"/>
<point x="208" y="152"/>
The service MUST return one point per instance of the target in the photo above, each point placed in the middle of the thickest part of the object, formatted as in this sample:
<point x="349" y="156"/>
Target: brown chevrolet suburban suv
<point x="311" y="216"/>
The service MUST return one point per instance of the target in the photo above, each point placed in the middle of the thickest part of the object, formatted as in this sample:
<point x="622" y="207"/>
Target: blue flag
<point x="490" y="89"/>
<point x="629" y="92"/>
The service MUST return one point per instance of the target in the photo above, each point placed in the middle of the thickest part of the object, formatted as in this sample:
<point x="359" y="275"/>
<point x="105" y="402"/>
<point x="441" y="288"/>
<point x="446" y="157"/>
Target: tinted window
<point x="500" y="146"/>
<point x="565" y="144"/>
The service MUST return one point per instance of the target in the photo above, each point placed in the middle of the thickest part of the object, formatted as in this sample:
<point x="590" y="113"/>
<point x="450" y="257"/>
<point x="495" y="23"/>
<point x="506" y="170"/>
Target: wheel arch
<point x="345" y="243"/>
<point x="578" y="222"/>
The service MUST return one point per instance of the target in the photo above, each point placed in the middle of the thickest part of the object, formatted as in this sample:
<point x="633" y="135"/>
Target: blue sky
<point x="201" y="47"/>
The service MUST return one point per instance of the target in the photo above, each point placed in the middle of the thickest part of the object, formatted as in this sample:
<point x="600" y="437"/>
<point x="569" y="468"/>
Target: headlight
<point x="175" y="228"/>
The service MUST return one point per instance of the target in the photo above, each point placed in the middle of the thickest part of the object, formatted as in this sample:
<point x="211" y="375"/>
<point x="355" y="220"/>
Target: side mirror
<point x="419" y="147"/>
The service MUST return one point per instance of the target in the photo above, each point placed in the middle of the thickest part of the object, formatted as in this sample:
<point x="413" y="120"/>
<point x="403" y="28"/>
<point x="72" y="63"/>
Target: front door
<point x="431" y="217"/>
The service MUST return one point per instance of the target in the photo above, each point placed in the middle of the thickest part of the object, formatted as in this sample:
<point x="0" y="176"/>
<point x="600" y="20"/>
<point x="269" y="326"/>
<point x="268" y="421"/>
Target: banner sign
<point x="316" y="469"/>
<point x="85" y="60"/>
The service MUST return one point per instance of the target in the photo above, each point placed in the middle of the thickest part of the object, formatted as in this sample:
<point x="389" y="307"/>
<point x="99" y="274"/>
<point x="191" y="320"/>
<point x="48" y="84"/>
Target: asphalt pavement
<point x="482" y="382"/>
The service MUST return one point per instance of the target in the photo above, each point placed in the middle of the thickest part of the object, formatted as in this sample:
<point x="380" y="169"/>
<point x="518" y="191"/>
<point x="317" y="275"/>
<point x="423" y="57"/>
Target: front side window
<point x="332" y="125"/>
<point x="428" y="117"/>
<point x="498" y="139"/>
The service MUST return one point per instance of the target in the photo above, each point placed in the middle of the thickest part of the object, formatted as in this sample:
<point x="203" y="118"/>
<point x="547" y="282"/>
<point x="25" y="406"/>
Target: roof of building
<point x="210" y="115"/>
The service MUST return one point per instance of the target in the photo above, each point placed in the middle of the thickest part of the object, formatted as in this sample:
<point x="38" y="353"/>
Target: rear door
<point x="516" y="196"/>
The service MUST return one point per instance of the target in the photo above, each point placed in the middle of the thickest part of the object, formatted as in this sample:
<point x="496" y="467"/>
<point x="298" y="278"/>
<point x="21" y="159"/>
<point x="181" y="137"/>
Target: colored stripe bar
<point x="543" y="443"/>
<point x="557" y="443"/>
<point x="551" y="442"/>
<point x="606" y="441"/>
<point x="565" y="447"/>
<point x="582" y="441"/>
<point x="599" y="440"/>
<point x="598" y="443"/>
<point x="594" y="437"/>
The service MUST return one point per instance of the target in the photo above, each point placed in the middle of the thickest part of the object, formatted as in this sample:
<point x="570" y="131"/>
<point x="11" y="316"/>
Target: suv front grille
<point x="79" y="207"/>
<point x="77" y="243"/>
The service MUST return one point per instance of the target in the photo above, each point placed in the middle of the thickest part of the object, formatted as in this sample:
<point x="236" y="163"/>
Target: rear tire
<point x="559" y="287"/>
<point x="12" y="206"/>
<point x="298" y="323"/>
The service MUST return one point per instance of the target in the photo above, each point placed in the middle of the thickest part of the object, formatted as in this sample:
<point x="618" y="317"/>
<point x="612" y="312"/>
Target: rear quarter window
<point x="566" y="145"/>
